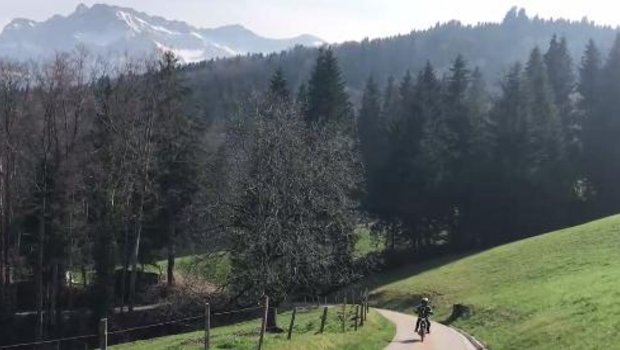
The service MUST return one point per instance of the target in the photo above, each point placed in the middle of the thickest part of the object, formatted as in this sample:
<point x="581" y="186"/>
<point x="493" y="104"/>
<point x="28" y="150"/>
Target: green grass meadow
<point x="375" y="334"/>
<point x="556" y="291"/>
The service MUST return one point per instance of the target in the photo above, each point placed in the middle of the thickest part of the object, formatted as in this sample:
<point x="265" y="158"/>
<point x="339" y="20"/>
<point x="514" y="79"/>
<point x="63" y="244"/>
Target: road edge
<point x="475" y="342"/>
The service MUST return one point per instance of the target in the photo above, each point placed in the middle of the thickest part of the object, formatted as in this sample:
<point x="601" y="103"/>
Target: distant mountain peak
<point x="108" y="30"/>
<point x="20" y="24"/>
<point x="81" y="8"/>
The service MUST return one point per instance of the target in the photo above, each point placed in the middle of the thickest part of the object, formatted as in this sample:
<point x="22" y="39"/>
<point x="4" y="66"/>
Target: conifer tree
<point x="561" y="77"/>
<point x="457" y="139"/>
<point x="407" y="94"/>
<point x="278" y="87"/>
<point x="481" y="174"/>
<point x="509" y="122"/>
<point x="455" y="105"/>
<point x="327" y="100"/>
<point x="372" y="138"/>
<point x="178" y="143"/>
<point x="602" y="140"/>
<point x="302" y="97"/>
<point x="546" y="149"/>
<point x="391" y="103"/>
<point x="590" y="79"/>
<point x="590" y="90"/>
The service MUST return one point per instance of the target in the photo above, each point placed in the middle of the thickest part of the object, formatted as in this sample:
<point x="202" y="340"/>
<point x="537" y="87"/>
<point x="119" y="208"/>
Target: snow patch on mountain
<point x="185" y="55"/>
<point x="128" y="19"/>
<point x="105" y="29"/>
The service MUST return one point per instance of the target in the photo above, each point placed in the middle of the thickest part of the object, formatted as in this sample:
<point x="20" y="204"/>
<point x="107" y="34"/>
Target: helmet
<point x="425" y="300"/>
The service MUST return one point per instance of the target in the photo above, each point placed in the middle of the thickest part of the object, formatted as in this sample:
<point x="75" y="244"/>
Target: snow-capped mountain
<point x="111" y="30"/>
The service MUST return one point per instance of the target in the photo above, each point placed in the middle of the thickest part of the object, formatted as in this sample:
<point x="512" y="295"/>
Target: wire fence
<point x="87" y="340"/>
<point x="56" y="342"/>
<point x="194" y="323"/>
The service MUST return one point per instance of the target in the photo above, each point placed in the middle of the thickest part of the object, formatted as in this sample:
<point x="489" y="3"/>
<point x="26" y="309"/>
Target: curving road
<point x="441" y="338"/>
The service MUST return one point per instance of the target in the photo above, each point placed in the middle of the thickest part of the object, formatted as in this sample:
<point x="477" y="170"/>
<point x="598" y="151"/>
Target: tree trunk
<point x="5" y="224"/>
<point x="134" y="268"/>
<point x="125" y="268"/>
<point x="39" y="330"/>
<point x="272" y="320"/>
<point x="171" y="251"/>
<point x="54" y="281"/>
<point x="3" y="243"/>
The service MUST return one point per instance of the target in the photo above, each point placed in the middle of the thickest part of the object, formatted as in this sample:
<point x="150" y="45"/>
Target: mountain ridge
<point x="105" y="29"/>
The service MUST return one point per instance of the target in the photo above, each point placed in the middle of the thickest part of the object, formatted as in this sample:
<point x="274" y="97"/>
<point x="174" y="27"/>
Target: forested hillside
<point x="490" y="46"/>
<point x="277" y="162"/>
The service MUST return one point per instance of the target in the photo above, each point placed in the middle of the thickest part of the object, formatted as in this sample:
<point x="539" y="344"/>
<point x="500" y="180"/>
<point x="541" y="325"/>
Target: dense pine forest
<point x="492" y="47"/>
<point x="104" y="170"/>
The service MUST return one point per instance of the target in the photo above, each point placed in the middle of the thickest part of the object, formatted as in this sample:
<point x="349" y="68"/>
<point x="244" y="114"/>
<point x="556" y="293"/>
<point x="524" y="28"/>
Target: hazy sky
<point x="333" y="20"/>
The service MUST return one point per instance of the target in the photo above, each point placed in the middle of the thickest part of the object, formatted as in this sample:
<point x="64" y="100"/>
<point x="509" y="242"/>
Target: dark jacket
<point x="423" y="311"/>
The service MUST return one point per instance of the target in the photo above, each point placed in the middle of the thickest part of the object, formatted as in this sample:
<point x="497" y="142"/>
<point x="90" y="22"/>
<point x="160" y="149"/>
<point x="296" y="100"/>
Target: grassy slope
<point x="216" y="267"/>
<point x="374" y="335"/>
<point x="556" y="291"/>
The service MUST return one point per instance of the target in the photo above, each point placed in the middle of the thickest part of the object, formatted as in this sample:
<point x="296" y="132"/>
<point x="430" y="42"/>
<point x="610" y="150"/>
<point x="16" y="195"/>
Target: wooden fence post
<point x="103" y="334"/>
<point x="344" y="313"/>
<point x="361" y="307"/>
<point x="290" y="326"/>
<point x="207" y="325"/>
<point x="264" y="324"/>
<point x="323" y="318"/>
<point x="367" y="303"/>
<point x="357" y="313"/>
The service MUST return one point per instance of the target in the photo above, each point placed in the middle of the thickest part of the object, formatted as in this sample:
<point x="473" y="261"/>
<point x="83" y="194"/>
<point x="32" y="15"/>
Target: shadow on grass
<point x="458" y="311"/>
<point x="410" y="269"/>
<point x="405" y="302"/>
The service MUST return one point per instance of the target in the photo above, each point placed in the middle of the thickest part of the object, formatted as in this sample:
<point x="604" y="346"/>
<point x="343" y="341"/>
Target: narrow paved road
<point x="441" y="337"/>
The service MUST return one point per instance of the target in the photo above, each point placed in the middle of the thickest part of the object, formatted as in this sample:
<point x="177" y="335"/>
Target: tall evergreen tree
<point x="561" y="77"/>
<point x="590" y="79"/>
<point x="455" y="105"/>
<point x="545" y="129"/>
<point x="508" y="119"/>
<point x="546" y="149"/>
<point x="457" y="139"/>
<point x="407" y="94"/>
<point x="327" y="99"/>
<point x="590" y="90"/>
<point x="391" y="103"/>
<point x="178" y="143"/>
<point x="371" y="137"/>
<point x="302" y="97"/>
<point x="415" y="162"/>
<point x="481" y="171"/>
<point x="278" y="87"/>
<point x="602" y="136"/>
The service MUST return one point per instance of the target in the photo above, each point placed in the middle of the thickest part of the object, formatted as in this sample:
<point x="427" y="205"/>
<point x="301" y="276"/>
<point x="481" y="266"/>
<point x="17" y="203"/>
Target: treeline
<point x="217" y="85"/>
<point x="448" y="163"/>
<point x="99" y="170"/>
<point x="103" y="170"/>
